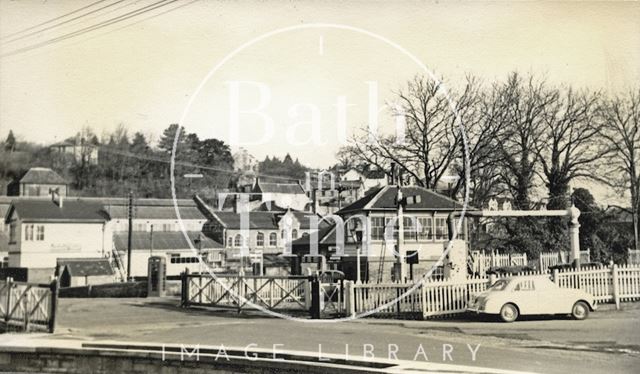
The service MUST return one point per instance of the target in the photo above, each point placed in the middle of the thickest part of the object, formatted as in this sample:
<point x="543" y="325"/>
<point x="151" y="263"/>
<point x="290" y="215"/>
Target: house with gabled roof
<point x="41" y="231"/>
<point x="74" y="272"/>
<point x="287" y="195"/>
<point x="425" y="232"/>
<point x="38" y="181"/>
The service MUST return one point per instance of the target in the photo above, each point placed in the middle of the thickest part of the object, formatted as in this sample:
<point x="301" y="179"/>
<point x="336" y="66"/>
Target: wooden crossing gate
<point x="245" y="292"/>
<point x="28" y="306"/>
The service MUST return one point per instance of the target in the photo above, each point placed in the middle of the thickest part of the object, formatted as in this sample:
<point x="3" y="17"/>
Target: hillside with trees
<point x="126" y="162"/>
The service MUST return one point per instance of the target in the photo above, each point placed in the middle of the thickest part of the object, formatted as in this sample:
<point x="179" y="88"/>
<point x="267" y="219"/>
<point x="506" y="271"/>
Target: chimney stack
<point x="54" y="192"/>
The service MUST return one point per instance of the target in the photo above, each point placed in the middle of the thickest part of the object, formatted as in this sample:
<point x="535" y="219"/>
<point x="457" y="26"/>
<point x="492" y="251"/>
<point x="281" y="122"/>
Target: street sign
<point x="193" y="175"/>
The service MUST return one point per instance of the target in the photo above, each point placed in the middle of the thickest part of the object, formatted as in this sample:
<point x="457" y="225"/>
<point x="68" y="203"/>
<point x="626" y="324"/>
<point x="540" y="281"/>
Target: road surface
<point x="609" y="341"/>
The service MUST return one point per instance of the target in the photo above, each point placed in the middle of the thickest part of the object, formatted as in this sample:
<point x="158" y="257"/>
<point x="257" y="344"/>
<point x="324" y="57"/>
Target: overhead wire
<point x="62" y="23"/>
<point x="120" y="18"/>
<point x="51" y="20"/>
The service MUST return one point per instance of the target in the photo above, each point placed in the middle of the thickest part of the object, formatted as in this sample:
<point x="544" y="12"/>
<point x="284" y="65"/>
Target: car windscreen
<point x="499" y="285"/>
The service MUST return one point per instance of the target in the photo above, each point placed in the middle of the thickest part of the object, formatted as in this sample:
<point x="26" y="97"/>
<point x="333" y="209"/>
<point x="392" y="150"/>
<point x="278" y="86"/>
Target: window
<point x="12" y="232"/>
<point x="176" y="259"/>
<point x="409" y="228"/>
<point x="237" y="242"/>
<point x="425" y="228"/>
<point x="229" y="242"/>
<point x="260" y="240"/>
<point x="377" y="228"/>
<point x="499" y="285"/>
<point x="40" y="232"/>
<point x="273" y="239"/>
<point x="442" y="231"/>
<point x="28" y="232"/>
<point x="525" y="285"/>
<point x="294" y="234"/>
<point x="392" y="225"/>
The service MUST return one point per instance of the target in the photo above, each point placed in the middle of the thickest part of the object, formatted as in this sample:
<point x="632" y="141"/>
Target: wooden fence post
<point x="349" y="298"/>
<point x="307" y="293"/>
<point x="555" y="276"/>
<point x="492" y="279"/>
<point x="616" y="285"/>
<point x="53" y="306"/>
<point x="184" y="288"/>
<point x="7" y="310"/>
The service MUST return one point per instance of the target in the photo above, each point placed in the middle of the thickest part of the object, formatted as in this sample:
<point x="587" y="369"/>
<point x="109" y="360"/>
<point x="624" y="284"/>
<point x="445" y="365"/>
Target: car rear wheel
<point x="580" y="310"/>
<point x="508" y="313"/>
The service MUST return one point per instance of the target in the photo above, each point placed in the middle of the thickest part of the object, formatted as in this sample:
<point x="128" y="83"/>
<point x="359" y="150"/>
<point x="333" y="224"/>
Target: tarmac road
<point x="609" y="341"/>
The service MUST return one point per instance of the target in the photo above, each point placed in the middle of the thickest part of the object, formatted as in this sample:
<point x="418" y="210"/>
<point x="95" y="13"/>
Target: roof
<point x="362" y="203"/>
<point x="117" y="208"/>
<point x="269" y="206"/>
<point x="162" y="240"/>
<point x="264" y="220"/>
<point x="154" y="212"/>
<point x="286" y="188"/>
<point x="325" y="235"/>
<point x="257" y="220"/>
<point x="82" y="267"/>
<point x="384" y="199"/>
<point x="49" y="211"/>
<point x="42" y="176"/>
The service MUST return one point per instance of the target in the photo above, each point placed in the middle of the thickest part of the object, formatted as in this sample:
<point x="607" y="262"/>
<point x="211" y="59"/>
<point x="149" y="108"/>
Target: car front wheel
<point x="509" y="313"/>
<point x="580" y="310"/>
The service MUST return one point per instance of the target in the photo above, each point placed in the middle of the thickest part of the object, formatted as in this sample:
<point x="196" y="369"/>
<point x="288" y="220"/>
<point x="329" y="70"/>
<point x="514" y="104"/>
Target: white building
<point x="43" y="231"/>
<point x="173" y="246"/>
<point x="286" y="195"/>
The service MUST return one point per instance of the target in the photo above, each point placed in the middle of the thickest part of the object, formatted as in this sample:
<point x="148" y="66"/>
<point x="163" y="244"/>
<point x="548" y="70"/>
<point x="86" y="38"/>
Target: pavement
<point x="609" y="341"/>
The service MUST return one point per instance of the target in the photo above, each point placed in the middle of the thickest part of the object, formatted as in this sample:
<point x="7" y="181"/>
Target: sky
<point x="301" y="91"/>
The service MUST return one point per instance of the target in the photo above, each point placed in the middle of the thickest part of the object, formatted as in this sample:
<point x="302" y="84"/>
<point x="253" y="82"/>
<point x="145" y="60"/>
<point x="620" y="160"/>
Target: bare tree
<point x="483" y="128"/>
<point x="432" y="136"/>
<point x="570" y="143"/>
<point x="521" y="105"/>
<point x="622" y="131"/>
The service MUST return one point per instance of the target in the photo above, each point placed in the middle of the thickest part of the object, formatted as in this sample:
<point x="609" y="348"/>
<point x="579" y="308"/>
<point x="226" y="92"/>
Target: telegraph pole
<point x="402" y="267"/>
<point x="129" y="239"/>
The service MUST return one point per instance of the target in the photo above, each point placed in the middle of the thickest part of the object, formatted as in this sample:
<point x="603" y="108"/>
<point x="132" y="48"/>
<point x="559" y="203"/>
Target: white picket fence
<point x="483" y="261"/>
<point x="444" y="297"/>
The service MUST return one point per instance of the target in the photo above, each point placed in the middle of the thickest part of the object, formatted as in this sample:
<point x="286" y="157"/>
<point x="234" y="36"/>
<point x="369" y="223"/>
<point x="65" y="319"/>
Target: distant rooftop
<point x="82" y="267"/>
<point x="42" y="176"/>
<point x="162" y="240"/>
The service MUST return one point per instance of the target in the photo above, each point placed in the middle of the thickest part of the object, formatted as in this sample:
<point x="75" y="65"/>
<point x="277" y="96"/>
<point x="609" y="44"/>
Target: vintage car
<point x="526" y="295"/>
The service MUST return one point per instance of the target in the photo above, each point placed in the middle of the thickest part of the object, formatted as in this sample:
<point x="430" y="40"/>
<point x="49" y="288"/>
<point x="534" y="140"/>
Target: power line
<point x="127" y="25"/>
<point x="100" y="25"/>
<point x="52" y="20"/>
<point x="63" y="22"/>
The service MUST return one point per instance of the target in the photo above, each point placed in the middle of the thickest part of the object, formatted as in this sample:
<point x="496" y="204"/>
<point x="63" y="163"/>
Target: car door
<point x="552" y="299"/>
<point x="526" y="297"/>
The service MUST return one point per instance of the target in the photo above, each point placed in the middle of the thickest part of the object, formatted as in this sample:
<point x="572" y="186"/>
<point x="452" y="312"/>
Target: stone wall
<point x="66" y="360"/>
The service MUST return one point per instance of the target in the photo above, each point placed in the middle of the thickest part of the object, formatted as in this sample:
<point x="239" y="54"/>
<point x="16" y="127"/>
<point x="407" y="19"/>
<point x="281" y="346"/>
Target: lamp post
<point x="358" y="232"/>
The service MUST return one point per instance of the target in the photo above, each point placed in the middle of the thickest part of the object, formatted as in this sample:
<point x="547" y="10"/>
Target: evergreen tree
<point x="10" y="143"/>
